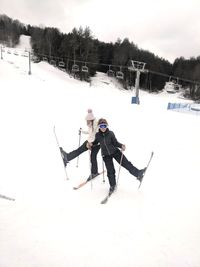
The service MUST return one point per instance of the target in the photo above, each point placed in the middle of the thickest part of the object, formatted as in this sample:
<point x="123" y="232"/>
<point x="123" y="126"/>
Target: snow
<point x="50" y="224"/>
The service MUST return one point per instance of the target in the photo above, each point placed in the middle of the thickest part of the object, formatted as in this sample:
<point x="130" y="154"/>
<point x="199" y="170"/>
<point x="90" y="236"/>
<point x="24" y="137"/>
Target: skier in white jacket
<point x="92" y="124"/>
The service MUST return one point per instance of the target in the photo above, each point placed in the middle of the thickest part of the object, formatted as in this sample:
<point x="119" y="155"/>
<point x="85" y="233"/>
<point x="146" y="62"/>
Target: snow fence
<point x="185" y="108"/>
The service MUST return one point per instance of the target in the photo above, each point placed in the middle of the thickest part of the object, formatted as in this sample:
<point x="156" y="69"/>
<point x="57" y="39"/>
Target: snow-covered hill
<point x="50" y="224"/>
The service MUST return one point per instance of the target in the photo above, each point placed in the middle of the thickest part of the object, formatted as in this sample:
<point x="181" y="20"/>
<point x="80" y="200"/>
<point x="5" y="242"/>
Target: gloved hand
<point x="89" y="145"/>
<point x="123" y="147"/>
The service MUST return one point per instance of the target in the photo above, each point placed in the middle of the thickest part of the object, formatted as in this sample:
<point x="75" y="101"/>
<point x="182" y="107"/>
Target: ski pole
<point x="120" y="164"/>
<point x="103" y="171"/>
<point x="79" y="142"/>
<point x="54" y="128"/>
<point x="90" y="165"/>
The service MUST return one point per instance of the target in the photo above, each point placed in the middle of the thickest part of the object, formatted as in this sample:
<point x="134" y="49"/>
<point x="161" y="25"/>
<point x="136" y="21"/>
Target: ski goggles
<point x="103" y="125"/>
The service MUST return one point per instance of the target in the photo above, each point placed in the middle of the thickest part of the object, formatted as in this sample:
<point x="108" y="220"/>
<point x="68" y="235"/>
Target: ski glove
<point x="89" y="145"/>
<point x="123" y="147"/>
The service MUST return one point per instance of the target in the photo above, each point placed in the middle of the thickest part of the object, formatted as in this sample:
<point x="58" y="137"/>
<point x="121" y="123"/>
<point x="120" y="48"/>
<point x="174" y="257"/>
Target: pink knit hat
<point x="90" y="116"/>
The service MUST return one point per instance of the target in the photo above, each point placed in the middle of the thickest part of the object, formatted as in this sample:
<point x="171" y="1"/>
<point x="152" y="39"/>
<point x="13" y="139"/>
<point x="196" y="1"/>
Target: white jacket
<point x="92" y="130"/>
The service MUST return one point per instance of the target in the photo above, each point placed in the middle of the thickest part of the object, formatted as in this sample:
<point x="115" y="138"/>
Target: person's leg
<point x="125" y="163"/>
<point x="75" y="153"/>
<point x="94" y="165"/>
<point x="110" y="170"/>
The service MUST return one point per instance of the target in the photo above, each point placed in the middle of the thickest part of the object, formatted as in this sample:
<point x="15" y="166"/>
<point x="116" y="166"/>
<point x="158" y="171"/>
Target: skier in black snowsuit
<point x="110" y="149"/>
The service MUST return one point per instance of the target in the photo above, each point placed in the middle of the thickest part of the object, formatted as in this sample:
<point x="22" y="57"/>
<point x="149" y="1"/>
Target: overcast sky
<point x="168" y="28"/>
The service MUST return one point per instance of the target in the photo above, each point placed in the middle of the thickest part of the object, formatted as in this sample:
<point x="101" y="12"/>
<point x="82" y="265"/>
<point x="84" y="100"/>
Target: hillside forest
<point x="80" y="49"/>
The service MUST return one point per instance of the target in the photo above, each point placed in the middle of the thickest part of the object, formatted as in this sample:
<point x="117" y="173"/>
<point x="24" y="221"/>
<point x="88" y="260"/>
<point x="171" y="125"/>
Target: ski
<point x="8" y="198"/>
<point x="85" y="182"/>
<point x="54" y="129"/>
<point x="152" y="153"/>
<point x="80" y="185"/>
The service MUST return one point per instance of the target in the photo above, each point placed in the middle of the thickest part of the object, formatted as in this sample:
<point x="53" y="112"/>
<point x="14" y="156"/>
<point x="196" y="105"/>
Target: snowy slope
<point x="50" y="224"/>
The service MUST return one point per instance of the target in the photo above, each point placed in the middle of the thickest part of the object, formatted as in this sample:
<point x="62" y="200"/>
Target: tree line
<point x="81" y="48"/>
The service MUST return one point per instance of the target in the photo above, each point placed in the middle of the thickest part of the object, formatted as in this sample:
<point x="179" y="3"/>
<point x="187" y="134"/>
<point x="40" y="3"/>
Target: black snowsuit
<point x="110" y="149"/>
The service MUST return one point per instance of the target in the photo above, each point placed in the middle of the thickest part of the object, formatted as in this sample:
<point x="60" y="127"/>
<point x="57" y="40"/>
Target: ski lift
<point x="169" y="87"/>
<point x="75" y="68"/>
<point x="61" y="64"/>
<point x="175" y="81"/>
<point x="84" y="68"/>
<point x="53" y="62"/>
<point x="35" y="59"/>
<point x="134" y="65"/>
<point x="24" y="54"/>
<point x="45" y="59"/>
<point x="120" y="74"/>
<point x="110" y="72"/>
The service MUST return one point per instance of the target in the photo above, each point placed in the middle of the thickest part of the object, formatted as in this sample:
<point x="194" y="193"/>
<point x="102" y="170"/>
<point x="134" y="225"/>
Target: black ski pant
<point x="75" y="153"/>
<point x="108" y="159"/>
<point x="93" y="157"/>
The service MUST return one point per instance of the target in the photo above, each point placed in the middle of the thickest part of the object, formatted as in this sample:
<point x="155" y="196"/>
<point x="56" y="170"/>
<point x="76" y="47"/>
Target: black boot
<point x="64" y="156"/>
<point x="112" y="189"/>
<point x="92" y="176"/>
<point x="141" y="174"/>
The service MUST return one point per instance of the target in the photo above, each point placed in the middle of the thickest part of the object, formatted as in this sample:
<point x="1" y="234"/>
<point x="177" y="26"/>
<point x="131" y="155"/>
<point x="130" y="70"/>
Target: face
<point x="103" y="127"/>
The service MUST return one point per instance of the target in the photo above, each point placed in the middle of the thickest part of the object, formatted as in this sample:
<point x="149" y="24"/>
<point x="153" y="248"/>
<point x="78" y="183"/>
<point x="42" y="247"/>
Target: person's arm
<point x="95" y="142"/>
<point x="116" y="143"/>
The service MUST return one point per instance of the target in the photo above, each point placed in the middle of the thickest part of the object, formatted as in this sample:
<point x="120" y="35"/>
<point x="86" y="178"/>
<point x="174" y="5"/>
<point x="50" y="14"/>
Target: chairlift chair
<point x="120" y="75"/>
<point x="84" y="69"/>
<point x="75" y="68"/>
<point x="35" y="59"/>
<point x="53" y="62"/>
<point x="45" y="59"/>
<point x="110" y="72"/>
<point x="175" y="81"/>
<point x="169" y="87"/>
<point x="61" y="64"/>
